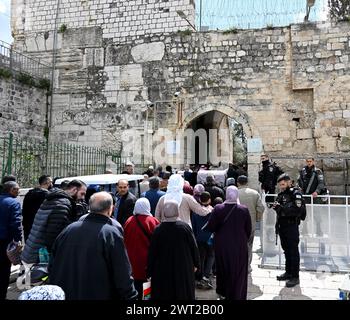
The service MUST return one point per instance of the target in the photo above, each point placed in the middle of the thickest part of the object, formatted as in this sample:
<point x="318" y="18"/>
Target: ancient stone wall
<point x="120" y="20"/>
<point x="22" y="109"/>
<point x="286" y="86"/>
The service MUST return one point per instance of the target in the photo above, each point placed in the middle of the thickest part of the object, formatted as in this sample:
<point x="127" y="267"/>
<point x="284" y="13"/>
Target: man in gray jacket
<point x="252" y="200"/>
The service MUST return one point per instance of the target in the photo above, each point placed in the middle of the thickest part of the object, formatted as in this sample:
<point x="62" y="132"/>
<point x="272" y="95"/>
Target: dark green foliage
<point x="186" y="32"/>
<point x="5" y="73"/>
<point x="25" y="79"/>
<point x="62" y="28"/>
<point x="233" y="30"/>
<point x="339" y="10"/>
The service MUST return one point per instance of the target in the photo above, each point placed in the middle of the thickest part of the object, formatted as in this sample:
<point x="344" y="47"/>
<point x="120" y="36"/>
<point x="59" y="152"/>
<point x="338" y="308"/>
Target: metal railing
<point x="28" y="158"/>
<point x="324" y="236"/>
<point x="18" y="62"/>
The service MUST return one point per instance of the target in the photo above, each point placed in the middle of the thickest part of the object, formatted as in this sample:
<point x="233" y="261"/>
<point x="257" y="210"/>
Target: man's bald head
<point x="123" y="187"/>
<point x="101" y="203"/>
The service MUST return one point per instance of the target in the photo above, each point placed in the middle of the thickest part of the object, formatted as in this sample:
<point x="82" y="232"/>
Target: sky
<point x="224" y="14"/>
<point x="5" y="32"/>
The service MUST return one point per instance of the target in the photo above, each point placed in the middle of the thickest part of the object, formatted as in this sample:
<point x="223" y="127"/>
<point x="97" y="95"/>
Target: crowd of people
<point x="169" y="231"/>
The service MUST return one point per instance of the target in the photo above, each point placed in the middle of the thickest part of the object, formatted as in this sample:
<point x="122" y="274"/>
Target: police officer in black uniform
<point x="268" y="176"/>
<point x="311" y="179"/>
<point x="290" y="208"/>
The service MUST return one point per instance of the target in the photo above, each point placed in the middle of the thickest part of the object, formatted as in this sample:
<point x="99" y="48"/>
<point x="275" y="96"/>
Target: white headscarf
<point x="175" y="189"/>
<point x="142" y="207"/>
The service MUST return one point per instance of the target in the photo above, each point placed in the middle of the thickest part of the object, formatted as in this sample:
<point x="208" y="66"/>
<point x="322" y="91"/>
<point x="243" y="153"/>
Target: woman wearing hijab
<point x="186" y="202"/>
<point x="173" y="257"/>
<point x="187" y="188"/>
<point x="231" y="224"/>
<point x="138" y="231"/>
<point x="197" y="191"/>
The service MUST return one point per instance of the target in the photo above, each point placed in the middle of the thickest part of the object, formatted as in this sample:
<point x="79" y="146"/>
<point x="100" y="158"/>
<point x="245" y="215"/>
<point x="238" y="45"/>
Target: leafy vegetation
<point x="232" y="30"/>
<point x="339" y="10"/>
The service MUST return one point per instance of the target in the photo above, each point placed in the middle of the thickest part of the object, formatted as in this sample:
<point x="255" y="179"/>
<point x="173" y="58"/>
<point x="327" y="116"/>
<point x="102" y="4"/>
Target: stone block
<point x="326" y="144"/>
<point x="148" y="52"/>
<point x="304" y="134"/>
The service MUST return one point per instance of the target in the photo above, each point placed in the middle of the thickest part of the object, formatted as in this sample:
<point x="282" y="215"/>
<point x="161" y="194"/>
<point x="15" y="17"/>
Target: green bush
<point x="43" y="84"/>
<point x="186" y="32"/>
<point x="339" y="10"/>
<point x="62" y="28"/>
<point x="233" y="30"/>
<point x="26" y="79"/>
<point x="5" y="73"/>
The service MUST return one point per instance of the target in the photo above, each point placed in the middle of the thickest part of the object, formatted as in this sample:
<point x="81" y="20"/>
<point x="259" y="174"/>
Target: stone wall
<point x="22" y="109"/>
<point x="287" y="86"/>
<point x="120" y="20"/>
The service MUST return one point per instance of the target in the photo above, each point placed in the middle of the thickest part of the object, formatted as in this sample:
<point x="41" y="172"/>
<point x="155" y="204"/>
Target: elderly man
<point x="10" y="230"/>
<point x="129" y="169"/>
<point x="89" y="260"/>
<point x="252" y="200"/>
<point x="125" y="204"/>
<point x="56" y="212"/>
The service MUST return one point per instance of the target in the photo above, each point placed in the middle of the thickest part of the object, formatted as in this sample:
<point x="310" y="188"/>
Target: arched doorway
<point x="215" y="138"/>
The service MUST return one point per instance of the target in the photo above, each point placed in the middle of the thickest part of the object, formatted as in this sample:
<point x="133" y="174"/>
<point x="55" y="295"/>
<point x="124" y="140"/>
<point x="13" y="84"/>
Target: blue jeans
<point x="207" y="257"/>
<point x="5" y="269"/>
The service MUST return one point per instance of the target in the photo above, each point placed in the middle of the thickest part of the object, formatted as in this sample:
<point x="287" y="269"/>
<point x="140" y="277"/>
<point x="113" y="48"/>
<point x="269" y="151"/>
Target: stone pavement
<point x="264" y="286"/>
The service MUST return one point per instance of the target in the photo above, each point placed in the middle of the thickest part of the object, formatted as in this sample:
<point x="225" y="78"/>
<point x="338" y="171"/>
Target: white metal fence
<point x="324" y="236"/>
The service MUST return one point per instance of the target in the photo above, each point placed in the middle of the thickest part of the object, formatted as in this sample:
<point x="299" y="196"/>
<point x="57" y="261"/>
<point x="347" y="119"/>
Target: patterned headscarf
<point x="45" y="292"/>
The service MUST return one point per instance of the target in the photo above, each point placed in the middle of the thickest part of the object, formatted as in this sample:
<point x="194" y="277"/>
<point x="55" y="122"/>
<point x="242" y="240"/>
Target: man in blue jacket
<point x="153" y="194"/>
<point x="10" y="230"/>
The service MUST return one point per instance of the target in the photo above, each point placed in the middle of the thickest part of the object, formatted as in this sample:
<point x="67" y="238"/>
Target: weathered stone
<point x="304" y="134"/>
<point x="148" y="52"/>
<point x="344" y="144"/>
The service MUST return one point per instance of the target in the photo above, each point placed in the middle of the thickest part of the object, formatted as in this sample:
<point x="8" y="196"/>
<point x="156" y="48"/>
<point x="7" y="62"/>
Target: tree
<point x="339" y="9"/>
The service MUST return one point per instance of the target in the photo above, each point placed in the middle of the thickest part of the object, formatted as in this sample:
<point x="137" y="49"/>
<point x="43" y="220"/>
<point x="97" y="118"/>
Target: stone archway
<point x="249" y="129"/>
<point x="239" y="116"/>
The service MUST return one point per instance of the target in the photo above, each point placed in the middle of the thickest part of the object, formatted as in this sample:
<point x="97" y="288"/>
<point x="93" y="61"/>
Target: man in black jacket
<point x="268" y="176"/>
<point x="32" y="202"/>
<point x="290" y="209"/>
<point x="55" y="213"/>
<point x="89" y="260"/>
<point x="125" y="204"/>
<point x="311" y="180"/>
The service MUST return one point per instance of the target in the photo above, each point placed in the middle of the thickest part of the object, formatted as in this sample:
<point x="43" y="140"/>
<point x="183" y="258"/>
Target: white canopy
<point x="102" y="179"/>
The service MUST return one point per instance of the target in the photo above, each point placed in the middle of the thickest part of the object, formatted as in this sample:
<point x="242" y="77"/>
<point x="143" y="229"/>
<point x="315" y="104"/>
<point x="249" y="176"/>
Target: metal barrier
<point x="16" y="61"/>
<point x="324" y="236"/>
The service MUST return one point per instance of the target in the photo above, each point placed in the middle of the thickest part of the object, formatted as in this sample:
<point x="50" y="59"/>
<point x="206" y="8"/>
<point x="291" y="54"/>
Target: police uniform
<point x="290" y="210"/>
<point x="268" y="177"/>
<point x="311" y="180"/>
